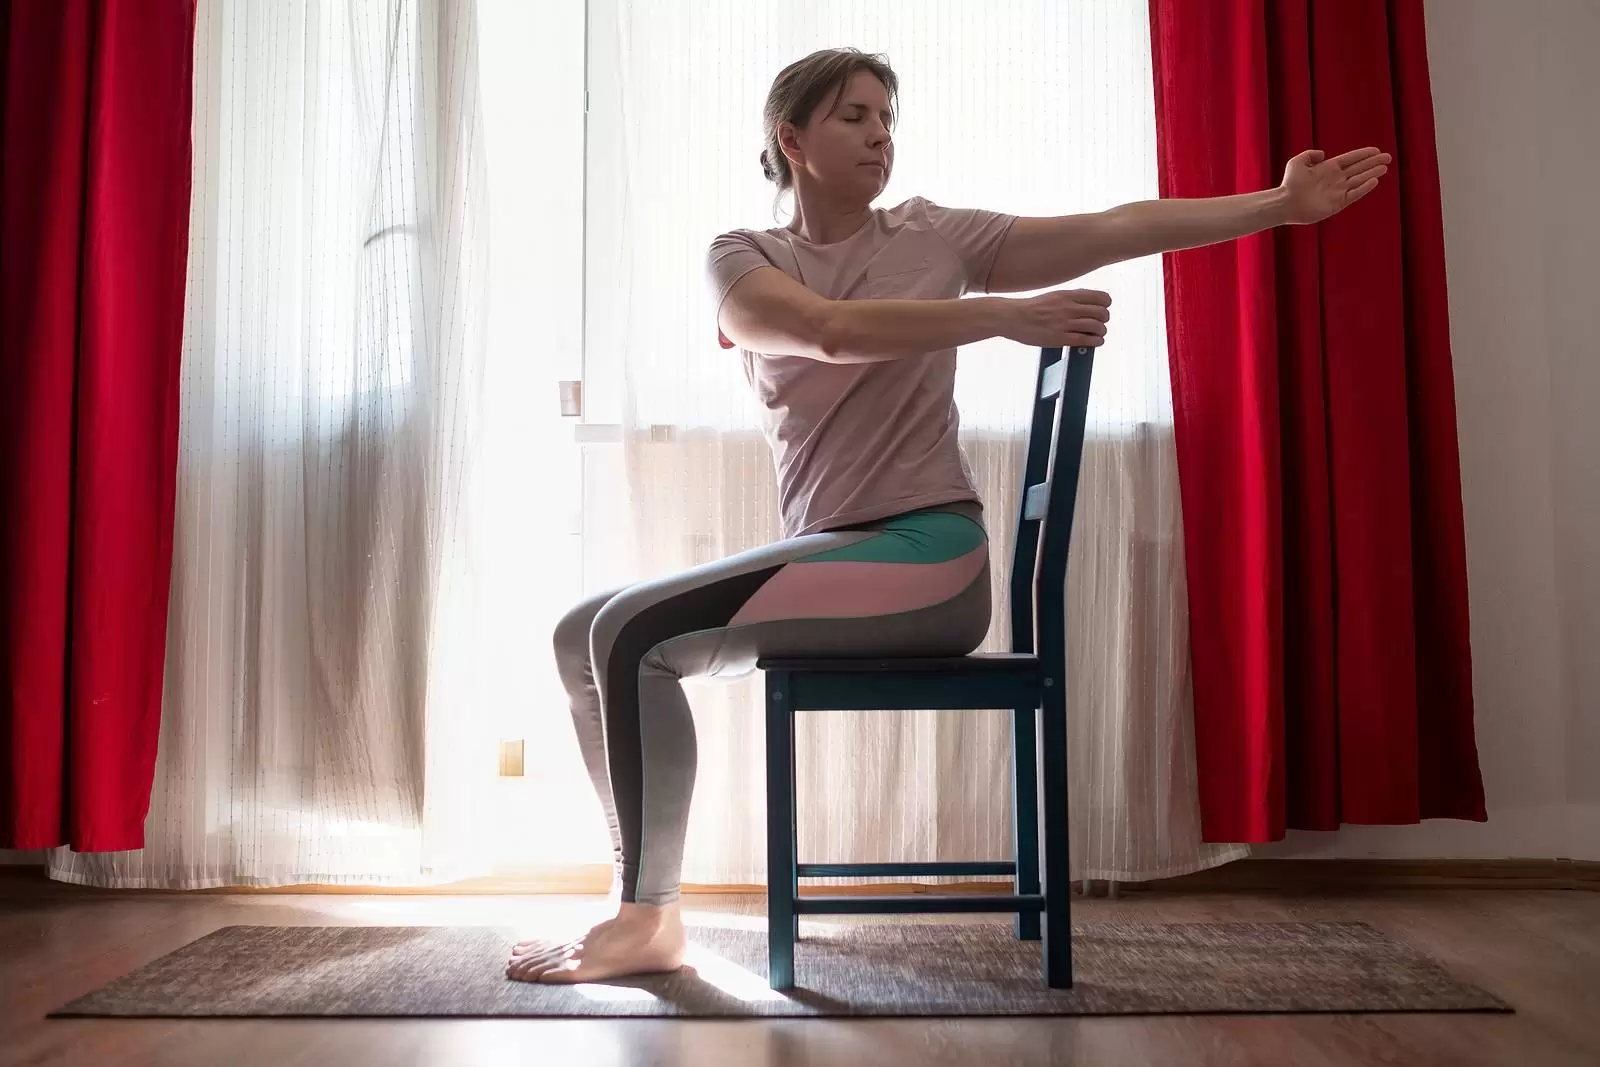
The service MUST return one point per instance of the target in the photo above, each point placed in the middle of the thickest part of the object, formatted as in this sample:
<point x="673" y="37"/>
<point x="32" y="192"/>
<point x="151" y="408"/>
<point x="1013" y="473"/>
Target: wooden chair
<point x="1031" y="680"/>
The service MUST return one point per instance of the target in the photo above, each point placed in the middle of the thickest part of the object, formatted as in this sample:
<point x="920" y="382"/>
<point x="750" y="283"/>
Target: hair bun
<point x="766" y="166"/>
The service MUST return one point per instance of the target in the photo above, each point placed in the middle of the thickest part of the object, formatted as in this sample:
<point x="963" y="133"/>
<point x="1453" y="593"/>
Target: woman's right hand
<point x="1067" y="318"/>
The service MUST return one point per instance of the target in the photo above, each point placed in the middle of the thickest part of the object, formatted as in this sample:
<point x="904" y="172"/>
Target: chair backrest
<point x="1049" y="498"/>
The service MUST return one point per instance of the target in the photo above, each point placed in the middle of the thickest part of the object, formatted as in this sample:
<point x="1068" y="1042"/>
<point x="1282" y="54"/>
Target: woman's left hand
<point x="1315" y="187"/>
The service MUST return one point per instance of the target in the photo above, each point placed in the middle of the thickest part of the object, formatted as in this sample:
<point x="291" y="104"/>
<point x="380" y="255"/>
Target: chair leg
<point x="782" y="877"/>
<point x="1025" y="814"/>
<point x="1057" y="868"/>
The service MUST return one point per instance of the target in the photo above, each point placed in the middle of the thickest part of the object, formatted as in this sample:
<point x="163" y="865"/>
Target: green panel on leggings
<point x="922" y="537"/>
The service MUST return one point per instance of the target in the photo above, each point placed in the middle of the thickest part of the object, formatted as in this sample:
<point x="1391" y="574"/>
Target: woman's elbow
<point x="827" y="331"/>
<point x="815" y="331"/>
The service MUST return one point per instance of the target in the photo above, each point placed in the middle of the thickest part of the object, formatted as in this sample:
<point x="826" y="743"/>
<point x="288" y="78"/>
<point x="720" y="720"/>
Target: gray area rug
<point x="903" y="968"/>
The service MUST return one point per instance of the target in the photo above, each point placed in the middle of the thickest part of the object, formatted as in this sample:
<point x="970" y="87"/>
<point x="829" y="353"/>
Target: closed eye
<point x="857" y="112"/>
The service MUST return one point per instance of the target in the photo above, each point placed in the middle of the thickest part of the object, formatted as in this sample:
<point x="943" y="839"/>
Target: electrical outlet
<point x="511" y="759"/>
<point x="571" y="398"/>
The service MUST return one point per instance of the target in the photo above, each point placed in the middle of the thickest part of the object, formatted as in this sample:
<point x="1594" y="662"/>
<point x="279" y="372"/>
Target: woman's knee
<point x="571" y="635"/>
<point x="610" y="616"/>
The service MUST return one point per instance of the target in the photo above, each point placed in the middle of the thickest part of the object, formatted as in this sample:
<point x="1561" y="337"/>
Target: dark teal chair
<point x="1030" y="679"/>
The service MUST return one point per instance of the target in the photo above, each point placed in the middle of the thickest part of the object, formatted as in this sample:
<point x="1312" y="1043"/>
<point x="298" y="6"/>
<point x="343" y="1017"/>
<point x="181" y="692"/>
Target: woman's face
<point x="846" y="147"/>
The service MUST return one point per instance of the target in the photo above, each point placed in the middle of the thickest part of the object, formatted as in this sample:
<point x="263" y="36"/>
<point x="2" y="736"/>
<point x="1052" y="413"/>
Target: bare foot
<point x="640" y="940"/>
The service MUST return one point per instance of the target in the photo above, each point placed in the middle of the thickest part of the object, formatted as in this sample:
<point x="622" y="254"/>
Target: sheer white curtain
<point x="322" y="718"/>
<point x="1028" y="106"/>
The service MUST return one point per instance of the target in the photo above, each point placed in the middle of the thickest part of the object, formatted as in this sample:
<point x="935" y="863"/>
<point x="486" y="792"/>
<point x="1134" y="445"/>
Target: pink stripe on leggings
<point x="850" y="590"/>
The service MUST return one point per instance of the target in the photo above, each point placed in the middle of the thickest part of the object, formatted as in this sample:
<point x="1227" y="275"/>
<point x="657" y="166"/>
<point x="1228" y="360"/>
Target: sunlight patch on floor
<point x="728" y="977"/>
<point x="611" y="994"/>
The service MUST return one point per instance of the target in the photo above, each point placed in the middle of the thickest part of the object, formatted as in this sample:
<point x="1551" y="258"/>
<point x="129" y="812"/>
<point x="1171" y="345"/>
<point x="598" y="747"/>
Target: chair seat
<point x="955" y="683"/>
<point x="978" y="661"/>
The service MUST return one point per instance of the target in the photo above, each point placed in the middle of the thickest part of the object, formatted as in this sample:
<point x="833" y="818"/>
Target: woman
<point x="848" y="320"/>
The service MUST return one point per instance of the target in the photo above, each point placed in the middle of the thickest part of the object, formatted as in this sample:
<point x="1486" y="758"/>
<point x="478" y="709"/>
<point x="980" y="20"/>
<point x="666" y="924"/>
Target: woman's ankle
<point x="653" y="914"/>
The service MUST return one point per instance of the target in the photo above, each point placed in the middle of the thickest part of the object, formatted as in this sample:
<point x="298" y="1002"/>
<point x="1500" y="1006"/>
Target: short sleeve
<point x="732" y="256"/>
<point x="974" y="234"/>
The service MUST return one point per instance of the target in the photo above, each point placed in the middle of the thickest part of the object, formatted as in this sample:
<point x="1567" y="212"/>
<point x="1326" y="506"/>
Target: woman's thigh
<point x="913" y="585"/>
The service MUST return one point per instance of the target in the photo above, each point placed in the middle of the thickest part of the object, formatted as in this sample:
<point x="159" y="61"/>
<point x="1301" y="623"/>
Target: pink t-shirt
<point x="863" y="441"/>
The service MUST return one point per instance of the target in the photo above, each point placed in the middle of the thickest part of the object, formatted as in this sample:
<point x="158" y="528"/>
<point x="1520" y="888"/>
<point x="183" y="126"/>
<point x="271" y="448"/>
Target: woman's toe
<point x="524" y="969"/>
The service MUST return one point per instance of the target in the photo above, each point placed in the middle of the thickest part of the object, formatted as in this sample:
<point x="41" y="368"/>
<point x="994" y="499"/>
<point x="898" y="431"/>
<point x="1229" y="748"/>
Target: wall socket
<point x="511" y="759"/>
<point x="571" y="398"/>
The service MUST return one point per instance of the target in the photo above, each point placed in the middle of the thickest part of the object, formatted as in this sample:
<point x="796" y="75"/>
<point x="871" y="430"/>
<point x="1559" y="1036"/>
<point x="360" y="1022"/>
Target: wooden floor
<point x="1537" y="949"/>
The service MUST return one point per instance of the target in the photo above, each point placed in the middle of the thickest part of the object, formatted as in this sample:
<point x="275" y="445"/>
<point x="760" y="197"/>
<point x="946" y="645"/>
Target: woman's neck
<point x="822" y="220"/>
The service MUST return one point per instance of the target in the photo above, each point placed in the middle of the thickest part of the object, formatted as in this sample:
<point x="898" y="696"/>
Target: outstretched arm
<point x="769" y="312"/>
<point x="1042" y="252"/>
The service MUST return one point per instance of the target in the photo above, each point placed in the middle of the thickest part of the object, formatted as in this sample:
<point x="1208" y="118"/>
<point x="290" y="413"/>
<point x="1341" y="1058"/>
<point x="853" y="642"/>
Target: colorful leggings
<point x="913" y="585"/>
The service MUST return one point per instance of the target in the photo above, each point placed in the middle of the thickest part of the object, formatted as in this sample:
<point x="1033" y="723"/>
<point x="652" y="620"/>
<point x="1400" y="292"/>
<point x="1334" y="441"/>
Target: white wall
<point x="1569" y="174"/>
<point x="1519" y="155"/>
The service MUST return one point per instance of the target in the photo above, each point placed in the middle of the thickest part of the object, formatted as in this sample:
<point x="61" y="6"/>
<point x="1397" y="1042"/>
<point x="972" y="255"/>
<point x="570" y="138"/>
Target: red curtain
<point x="94" y="219"/>
<point x="1316" y="433"/>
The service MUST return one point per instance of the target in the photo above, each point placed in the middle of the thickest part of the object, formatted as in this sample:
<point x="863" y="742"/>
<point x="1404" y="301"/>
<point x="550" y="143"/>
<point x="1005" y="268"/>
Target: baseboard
<point x="1297" y="876"/>
<point x="1294" y="876"/>
<point x="576" y="880"/>
<point x="1356" y="875"/>
<point x="1254" y="874"/>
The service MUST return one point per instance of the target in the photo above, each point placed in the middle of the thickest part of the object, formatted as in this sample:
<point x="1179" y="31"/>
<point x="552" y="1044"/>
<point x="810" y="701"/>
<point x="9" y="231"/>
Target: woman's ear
<point x="789" y="142"/>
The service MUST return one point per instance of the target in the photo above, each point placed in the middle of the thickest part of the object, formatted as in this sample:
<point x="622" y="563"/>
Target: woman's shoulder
<point x="915" y="205"/>
<point x="740" y="248"/>
<point x="748" y="237"/>
<point x="735" y="253"/>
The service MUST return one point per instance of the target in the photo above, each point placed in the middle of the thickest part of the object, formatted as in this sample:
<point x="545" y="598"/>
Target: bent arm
<point x="767" y="311"/>
<point x="1039" y="253"/>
